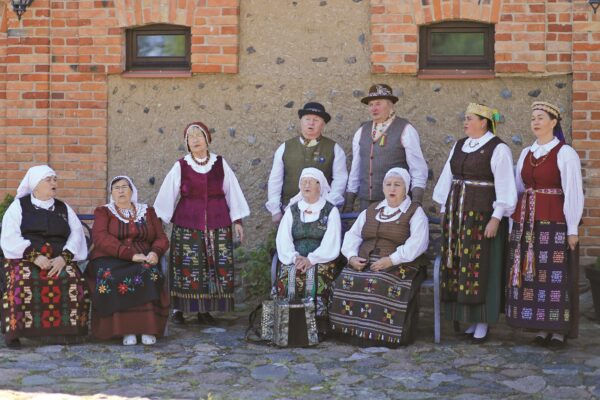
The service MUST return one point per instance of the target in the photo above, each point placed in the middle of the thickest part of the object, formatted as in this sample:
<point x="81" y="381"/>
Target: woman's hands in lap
<point x="56" y="266"/>
<point x="357" y="263"/>
<point x="381" y="264"/>
<point x="43" y="262"/>
<point x="302" y="263"/>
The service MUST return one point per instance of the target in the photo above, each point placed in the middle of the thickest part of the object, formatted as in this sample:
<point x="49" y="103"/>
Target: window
<point x="158" y="47"/>
<point x="457" y="45"/>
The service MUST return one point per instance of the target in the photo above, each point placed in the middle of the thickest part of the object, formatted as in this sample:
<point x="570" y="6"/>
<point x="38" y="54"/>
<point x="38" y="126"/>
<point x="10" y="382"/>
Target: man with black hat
<point x="385" y="142"/>
<point x="311" y="149"/>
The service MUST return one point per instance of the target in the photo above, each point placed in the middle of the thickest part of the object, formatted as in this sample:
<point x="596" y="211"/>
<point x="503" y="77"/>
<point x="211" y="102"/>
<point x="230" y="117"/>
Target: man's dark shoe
<point x="177" y="317"/>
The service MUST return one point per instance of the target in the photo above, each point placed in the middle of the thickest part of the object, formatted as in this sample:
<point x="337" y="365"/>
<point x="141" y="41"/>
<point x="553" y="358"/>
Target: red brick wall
<point x="53" y="80"/>
<point x="586" y="117"/>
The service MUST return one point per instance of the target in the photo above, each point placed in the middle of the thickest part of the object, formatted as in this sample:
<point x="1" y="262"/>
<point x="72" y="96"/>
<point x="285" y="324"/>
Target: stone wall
<point x="291" y="54"/>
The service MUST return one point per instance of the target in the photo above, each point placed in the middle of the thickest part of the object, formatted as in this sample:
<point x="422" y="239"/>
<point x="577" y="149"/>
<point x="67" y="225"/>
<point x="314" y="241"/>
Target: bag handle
<point x="311" y="282"/>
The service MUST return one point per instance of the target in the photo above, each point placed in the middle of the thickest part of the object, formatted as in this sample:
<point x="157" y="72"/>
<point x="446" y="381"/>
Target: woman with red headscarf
<point x="210" y="209"/>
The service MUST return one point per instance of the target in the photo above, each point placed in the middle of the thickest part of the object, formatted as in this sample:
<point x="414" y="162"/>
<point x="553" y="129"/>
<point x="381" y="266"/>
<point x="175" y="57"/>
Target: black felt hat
<point x="315" y="109"/>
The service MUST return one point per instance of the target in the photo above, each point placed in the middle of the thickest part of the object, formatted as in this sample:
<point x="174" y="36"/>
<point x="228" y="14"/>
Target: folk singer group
<point x="509" y="236"/>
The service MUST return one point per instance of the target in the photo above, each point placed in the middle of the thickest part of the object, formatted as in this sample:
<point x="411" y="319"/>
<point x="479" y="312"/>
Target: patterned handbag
<point x="294" y="321"/>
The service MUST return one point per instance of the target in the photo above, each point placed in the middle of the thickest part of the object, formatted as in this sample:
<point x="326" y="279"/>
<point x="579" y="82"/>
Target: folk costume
<point x="542" y="291"/>
<point x="297" y="153"/>
<point x="201" y="255"/>
<point x="34" y="304"/>
<point x="128" y="298"/>
<point x="381" y="307"/>
<point x="379" y="147"/>
<point x="475" y="185"/>
<point x="311" y="230"/>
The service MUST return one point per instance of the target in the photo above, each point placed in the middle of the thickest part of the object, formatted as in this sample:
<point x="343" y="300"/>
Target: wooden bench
<point x="433" y="254"/>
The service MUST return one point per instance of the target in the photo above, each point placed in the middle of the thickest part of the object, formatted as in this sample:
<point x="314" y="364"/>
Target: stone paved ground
<point x="199" y="362"/>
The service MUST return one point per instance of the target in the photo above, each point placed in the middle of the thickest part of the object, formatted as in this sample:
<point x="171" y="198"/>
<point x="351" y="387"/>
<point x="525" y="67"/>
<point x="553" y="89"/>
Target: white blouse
<point x="417" y="166"/>
<point x="338" y="181"/>
<point x="14" y="244"/>
<point x="569" y="166"/>
<point x="415" y="245"/>
<point x="502" y="169"/>
<point x="166" y="200"/>
<point x="329" y="249"/>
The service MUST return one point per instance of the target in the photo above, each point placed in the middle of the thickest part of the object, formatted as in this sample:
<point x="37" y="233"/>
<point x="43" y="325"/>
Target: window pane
<point x="457" y="44"/>
<point x="161" y="45"/>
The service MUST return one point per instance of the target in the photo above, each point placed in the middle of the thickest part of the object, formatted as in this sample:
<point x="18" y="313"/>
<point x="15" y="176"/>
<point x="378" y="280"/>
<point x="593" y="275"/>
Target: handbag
<point x="294" y="321"/>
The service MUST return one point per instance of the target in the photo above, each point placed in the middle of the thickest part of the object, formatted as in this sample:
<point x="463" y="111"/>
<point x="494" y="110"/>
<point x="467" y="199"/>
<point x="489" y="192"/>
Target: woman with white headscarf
<point x="127" y="286"/>
<point x="308" y="241"/>
<point x="42" y="240"/>
<point x="375" y="298"/>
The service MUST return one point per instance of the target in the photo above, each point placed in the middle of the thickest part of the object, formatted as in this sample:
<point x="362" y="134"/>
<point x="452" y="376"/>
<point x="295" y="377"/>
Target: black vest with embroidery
<point x="41" y="226"/>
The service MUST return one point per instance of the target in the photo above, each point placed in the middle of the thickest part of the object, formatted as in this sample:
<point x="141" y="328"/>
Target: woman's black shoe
<point x="14" y="344"/>
<point x="556" y="344"/>
<point x="542" y="340"/>
<point x="177" y="317"/>
<point x="206" y="319"/>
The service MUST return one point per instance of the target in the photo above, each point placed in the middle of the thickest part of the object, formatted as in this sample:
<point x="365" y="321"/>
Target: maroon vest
<point x="542" y="173"/>
<point x="202" y="203"/>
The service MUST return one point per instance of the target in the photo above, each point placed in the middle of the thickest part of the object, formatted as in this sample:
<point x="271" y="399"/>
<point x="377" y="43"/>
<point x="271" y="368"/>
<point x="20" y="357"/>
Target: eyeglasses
<point x="118" y="188"/>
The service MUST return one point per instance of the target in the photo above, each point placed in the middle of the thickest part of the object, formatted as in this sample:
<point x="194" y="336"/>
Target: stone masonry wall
<point x="283" y="64"/>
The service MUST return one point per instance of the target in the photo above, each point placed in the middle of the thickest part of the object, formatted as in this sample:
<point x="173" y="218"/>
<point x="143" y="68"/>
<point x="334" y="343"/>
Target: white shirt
<point x="415" y="245"/>
<point x="569" y="166"/>
<point x="417" y="166"/>
<point x="329" y="249"/>
<point x="166" y="200"/>
<point x="502" y="169"/>
<point x="338" y="182"/>
<point x="14" y="244"/>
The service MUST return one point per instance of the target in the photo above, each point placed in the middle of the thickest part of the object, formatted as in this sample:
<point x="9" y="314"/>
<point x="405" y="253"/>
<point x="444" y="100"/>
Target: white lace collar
<point x="140" y="208"/>
<point x="201" y="169"/>
<point x="389" y="210"/>
<point x="472" y="145"/>
<point x="45" y="204"/>
<point x="540" y="150"/>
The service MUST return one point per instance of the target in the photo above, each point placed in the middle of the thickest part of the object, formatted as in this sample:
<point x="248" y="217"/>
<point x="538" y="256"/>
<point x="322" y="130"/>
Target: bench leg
<point x="436" y="298"/>
<point x="164" y="267"/>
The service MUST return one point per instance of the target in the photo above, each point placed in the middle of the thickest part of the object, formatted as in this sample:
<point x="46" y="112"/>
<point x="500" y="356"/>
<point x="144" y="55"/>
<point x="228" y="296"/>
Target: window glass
<point x="161" y="45"/>
<point x="457" y="44"/>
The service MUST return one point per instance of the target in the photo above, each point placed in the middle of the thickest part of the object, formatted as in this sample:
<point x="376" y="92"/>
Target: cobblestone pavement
<point x="215" y="362"/>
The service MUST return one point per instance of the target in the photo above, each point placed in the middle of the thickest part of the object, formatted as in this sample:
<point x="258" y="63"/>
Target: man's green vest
<point x="296" y="157"/>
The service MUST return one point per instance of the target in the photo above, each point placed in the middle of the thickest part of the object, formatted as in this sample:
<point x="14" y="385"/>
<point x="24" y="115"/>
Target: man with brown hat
<point x="311" y="149"/>
<point x="385" y="142"/>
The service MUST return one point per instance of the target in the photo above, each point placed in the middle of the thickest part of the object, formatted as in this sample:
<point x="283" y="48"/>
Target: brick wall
<point x="53" y="80"/>
<point x="586" y="118"/>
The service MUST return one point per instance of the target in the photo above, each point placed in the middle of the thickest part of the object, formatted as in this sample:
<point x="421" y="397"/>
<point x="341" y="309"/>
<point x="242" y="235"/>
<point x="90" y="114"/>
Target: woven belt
<point x="462" y="184"/>
<point x="528" y="266"/>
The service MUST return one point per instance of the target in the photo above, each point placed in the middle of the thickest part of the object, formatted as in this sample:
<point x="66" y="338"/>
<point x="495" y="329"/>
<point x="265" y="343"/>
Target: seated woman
<point x="308" y="243"/>
<point x="42" y="239"/>
<point x="127" y="286"/>
<point x="375" y="299"/>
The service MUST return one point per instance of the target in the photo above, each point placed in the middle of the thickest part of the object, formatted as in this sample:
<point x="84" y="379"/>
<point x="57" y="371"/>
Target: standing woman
<point x="211" y="206"/>
<point x="128" y="293"/>
<point x="42" y="240"/>
<point x="476" y="190"/>
<point x="544" y="253"/>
